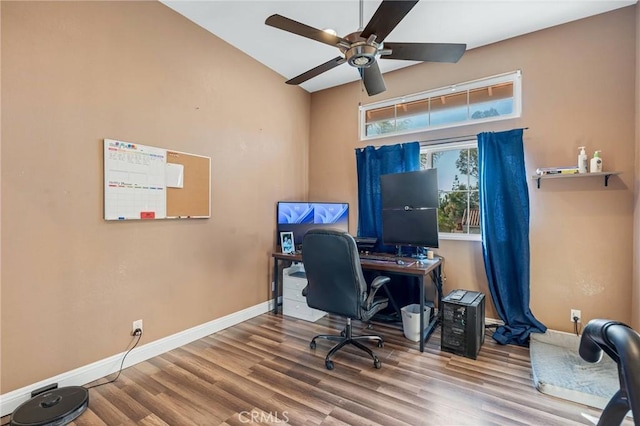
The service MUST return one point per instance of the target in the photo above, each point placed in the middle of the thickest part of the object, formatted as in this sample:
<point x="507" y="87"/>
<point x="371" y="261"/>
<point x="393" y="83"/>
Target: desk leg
<point x="422" y="336"/>
<point x="436" y="276"/>
<point x="275" y="285"/>
<point x="437" y="280"/>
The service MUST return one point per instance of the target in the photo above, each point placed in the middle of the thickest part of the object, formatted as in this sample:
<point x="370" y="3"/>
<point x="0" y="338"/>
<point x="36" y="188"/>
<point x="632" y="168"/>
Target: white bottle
<point x="582" y="160"/>
<point x="596" y="163"/>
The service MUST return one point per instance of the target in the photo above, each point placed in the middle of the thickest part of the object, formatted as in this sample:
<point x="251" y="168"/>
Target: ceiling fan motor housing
<point x="361" y="55"/>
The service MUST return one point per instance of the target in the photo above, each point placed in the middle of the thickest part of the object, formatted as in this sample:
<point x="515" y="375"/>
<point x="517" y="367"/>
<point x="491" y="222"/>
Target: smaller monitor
<point x="416" y="227"/>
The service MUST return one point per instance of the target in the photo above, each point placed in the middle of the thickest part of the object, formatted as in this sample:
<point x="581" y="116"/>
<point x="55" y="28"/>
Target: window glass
<point x="491" y="101"/>
<point x="449" y="109"/>
<point x="487" y="99"/>
<point x="457" y="165"/>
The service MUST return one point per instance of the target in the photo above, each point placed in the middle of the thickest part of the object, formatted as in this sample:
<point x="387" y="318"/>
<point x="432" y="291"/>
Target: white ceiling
<point x="474" y="22"/>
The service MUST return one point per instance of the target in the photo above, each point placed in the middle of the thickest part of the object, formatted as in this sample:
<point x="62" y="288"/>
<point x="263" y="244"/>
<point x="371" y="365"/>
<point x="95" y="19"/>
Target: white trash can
<point x="411" y="321"/>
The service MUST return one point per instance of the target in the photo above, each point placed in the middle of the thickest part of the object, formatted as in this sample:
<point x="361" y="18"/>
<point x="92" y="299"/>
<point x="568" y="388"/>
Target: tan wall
<point x="635" y="304"/>
<point x="577" y="81"/>
<point x="74" y="73"/>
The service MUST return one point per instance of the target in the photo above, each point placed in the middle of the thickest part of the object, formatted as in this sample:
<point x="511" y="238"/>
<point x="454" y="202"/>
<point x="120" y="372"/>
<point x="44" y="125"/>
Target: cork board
<point x="193" y="199"/>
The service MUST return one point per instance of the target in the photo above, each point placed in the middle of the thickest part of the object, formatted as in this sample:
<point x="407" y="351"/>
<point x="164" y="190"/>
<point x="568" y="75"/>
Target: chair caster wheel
<point x="342" y="333"/>
<point x="312" y="345"/>
<point x="377" y="363"/>
<point x="329" y="365"/>
<point x="380" y="343"/>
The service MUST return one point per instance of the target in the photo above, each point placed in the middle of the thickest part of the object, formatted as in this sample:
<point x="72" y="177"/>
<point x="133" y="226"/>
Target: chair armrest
<point x="375" y="285"/>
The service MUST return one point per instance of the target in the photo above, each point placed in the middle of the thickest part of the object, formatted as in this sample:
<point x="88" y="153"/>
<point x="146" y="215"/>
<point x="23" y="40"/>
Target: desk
<point x="432" y="268"/>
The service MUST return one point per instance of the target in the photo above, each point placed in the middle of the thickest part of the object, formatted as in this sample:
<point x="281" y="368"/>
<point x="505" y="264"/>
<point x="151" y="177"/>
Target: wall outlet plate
<point x="136" y="324"/>
<point x="575" y="313"/>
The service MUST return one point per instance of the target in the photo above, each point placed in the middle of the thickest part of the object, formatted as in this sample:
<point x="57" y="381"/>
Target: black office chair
<point x="336" y="285"/>
<point x="622" y="344"/>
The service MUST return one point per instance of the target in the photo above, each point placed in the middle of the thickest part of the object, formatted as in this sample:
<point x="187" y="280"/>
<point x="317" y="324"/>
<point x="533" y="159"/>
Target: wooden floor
<point x="263" y="372"/>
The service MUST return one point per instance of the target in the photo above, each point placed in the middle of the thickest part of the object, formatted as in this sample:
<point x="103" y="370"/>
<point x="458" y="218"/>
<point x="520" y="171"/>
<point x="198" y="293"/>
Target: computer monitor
<point x="415" y="228"/>
<point x="301" y="216"/>
<point x="410" y="208"/>
<point x="411" y="189"/>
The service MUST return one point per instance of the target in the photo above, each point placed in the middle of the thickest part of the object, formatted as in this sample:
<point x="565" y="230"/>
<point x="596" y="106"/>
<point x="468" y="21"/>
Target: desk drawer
<point x="294" y="294"/>
<point x="294" y="283"/>
<point x="292" y="289"/>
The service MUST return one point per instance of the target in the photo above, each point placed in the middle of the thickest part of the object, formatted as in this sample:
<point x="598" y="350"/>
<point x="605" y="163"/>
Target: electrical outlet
<point x="136" y="324"/>
<point x="575" y="313"/>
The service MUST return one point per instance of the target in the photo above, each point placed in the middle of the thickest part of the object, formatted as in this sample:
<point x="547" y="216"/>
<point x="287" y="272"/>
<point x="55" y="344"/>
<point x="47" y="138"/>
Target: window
<point x="457" y="164"/>
<point x="488" y="99"/>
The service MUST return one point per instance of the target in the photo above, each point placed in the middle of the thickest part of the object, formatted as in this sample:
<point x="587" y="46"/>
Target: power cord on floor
<point x="136" y="333"/>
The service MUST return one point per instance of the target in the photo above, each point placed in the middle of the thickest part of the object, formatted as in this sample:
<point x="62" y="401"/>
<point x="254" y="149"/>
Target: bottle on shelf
<point x="596" y="163"/>
<point x="582" y="160"/>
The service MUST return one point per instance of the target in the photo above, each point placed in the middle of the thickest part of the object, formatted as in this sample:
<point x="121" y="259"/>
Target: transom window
<point x="457" y="164"/>
<point x="488" y="99"/>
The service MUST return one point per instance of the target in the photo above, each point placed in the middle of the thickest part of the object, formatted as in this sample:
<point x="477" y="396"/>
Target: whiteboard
<point x="134" y="181"/>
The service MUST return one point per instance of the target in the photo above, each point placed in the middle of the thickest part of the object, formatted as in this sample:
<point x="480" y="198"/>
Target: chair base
<point x="346" y="337"/>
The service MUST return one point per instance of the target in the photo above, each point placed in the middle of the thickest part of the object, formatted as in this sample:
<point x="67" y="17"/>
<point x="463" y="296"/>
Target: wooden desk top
<point x="410" y="267"/>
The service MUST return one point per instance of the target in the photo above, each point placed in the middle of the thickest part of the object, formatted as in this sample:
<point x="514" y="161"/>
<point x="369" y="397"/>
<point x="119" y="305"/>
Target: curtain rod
<point x="455" y="138"/>
<point x="443" y="140"/>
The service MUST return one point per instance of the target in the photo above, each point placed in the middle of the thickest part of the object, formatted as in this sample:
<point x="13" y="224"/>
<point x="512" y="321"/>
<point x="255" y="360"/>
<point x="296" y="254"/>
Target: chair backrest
<point x="334" y="274"/>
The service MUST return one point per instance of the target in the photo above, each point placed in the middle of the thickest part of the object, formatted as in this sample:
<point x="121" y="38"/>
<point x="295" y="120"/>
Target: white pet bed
<point x="558" y="370"/>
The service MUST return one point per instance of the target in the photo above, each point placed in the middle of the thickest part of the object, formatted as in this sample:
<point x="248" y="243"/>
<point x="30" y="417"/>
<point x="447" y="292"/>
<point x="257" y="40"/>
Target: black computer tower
<point x="463" y="323"/>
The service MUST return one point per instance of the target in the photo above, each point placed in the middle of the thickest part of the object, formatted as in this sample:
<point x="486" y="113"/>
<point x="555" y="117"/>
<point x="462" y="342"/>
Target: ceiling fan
<point x="362" y="48"/>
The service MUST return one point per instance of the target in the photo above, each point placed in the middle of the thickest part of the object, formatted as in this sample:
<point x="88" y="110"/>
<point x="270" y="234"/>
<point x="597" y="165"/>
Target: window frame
<point x="514" y="77"/>
<point x="428" y="150"/>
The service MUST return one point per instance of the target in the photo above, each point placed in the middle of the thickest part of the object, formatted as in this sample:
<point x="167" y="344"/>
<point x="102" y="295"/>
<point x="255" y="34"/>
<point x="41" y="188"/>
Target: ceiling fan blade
<point x="295" y="27"/>
<point x="317" y="70"/>
<point x="388" y="15"/>
<point x="372" y="79"/>
<point x="427" y="52"/>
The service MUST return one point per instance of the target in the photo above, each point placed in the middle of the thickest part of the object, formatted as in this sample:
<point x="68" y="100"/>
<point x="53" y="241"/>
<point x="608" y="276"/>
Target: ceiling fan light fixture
<point x="361" y="56"/>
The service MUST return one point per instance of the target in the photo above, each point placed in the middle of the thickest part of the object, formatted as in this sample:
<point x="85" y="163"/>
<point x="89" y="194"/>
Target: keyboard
<point x="386" y="257"/>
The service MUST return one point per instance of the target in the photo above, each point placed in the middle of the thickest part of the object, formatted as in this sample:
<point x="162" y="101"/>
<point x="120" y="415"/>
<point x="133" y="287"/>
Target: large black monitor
<point x="300" y="216"/>
<point x="412" y="189"/>
<point x="410" y="208"/>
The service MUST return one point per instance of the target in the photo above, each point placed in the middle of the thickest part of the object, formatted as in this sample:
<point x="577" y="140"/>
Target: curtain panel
<point x="371" y="163"/>
<point x="504" y="221"/>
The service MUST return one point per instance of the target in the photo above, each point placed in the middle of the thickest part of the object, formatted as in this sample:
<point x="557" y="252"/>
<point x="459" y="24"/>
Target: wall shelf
<point x="576" y="175"/>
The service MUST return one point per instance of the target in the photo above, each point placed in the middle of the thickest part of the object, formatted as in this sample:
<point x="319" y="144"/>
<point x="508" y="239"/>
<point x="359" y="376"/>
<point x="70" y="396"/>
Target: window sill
<point x="459" y="237"/>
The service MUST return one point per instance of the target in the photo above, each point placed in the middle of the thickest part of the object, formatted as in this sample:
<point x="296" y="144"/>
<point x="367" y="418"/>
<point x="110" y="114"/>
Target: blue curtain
<point x="371" y="164"/>
<point x="504" y="220"/>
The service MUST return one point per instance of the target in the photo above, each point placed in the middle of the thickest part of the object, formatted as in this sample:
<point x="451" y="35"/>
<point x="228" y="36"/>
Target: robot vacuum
<point x="52" y="408"/>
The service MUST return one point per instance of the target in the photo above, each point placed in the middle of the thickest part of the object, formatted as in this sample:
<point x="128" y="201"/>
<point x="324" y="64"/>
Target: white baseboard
<point x="88" y="373"/>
